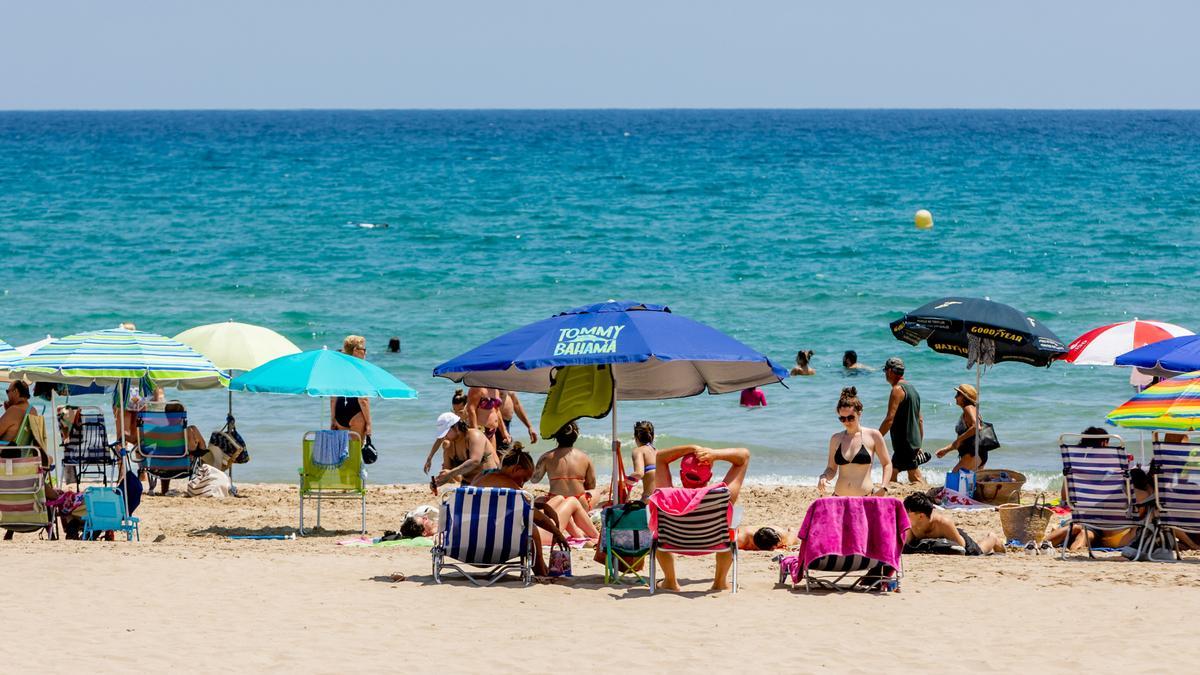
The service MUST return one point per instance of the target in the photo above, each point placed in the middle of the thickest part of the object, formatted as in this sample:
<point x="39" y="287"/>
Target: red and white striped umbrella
<point x="1101" y="346"/>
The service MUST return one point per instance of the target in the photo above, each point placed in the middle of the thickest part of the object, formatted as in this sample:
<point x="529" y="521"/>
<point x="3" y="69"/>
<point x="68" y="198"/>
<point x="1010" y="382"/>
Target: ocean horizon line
<point x="613" y="109"/>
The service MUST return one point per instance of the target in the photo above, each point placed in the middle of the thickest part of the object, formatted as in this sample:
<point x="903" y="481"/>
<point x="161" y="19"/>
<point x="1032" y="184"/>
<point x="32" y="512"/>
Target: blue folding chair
<point x="106" y="512"/>
<point x="488" y="529"/>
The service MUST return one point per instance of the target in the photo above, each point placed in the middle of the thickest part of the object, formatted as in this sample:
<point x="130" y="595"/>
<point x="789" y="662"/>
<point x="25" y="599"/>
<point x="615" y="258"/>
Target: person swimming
<point x="851" y="366"/>
<point x="803" y="361"/>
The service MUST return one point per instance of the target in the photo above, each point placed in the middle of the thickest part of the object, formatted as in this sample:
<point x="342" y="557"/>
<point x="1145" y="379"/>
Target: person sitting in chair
<point x="16" y="407"/>
<point x="695" y="471"/>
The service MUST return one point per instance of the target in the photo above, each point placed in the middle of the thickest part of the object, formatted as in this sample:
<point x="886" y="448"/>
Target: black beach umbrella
<point x="981" y="331"/>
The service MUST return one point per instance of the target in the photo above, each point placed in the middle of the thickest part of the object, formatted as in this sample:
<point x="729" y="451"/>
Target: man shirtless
<point x="928" y="523"/>
<point x="512" y="407"/>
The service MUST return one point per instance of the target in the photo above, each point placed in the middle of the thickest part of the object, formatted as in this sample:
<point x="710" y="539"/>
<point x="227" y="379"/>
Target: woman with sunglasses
<point x="851" y="452"/>
<point x="352" y="413"/>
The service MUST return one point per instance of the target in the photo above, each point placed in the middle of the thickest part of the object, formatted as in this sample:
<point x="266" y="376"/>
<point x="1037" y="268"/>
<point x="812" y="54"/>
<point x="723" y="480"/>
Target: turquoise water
<point x="788" y="230"/>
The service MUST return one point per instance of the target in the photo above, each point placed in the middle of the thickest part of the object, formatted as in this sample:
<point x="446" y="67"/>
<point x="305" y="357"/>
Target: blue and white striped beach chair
<point x="487" y="529"/>
<point x="1099" y="493"/>
<point x="1176" y="471"/>
<point x="704" y="530"/>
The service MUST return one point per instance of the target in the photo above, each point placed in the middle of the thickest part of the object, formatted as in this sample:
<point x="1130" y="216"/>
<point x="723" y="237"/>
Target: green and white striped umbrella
<point x="8" y="355"/>
<point x="106" y="356"/>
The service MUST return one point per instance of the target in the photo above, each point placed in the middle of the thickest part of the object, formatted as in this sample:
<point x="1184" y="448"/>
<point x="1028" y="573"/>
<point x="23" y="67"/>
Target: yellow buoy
<point x="923" y="220"/>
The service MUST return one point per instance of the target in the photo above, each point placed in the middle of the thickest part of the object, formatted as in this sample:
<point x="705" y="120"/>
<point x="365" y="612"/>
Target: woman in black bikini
<point x="352" y="414"/>
<point x="851" y="452"/>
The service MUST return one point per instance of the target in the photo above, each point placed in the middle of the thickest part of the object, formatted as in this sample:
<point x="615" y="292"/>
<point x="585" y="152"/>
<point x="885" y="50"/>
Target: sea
<point x="788" y="229"/>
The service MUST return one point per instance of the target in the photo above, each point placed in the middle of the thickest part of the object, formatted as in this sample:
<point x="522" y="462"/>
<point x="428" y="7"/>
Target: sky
<point x="74" y="54"/>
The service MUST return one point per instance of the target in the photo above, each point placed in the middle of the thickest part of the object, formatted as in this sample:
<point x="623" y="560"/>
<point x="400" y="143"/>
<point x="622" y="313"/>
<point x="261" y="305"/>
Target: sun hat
<point x="445" y="422"/>
<point x="693" y="473"/>
<point x="968" y="392"/>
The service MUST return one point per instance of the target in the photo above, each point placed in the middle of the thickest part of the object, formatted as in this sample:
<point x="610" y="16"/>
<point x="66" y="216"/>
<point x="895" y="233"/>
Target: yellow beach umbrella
<point x="237" y="346"/>
<point x="234" y="346"/>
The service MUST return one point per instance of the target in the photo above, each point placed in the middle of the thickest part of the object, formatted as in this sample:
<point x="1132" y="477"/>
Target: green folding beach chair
<point x="332" y="470"/>
<point x="626" y="540"/>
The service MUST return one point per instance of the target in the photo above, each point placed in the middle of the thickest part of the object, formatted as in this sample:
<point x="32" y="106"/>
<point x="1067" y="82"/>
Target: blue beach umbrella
<point x="1165" y="358"/>
<point x="654" y="353"/>
<point x="323" y="373"/>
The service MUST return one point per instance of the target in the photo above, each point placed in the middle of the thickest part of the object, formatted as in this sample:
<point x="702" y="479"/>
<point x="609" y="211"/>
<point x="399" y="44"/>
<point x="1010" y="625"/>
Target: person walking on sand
<point x="967" y="398"/>
<point x="905" y="423"/>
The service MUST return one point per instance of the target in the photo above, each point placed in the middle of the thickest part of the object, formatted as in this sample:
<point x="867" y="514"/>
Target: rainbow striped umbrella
<point x="1170" y="405"/>
<point x="106" y="356"/>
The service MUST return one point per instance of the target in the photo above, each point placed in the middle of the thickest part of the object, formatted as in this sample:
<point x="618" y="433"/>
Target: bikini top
<point x="863" y="456"/>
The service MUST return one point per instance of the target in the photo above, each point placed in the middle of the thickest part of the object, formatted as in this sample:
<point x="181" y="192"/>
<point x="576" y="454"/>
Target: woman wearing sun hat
<point x="967" y="398"/>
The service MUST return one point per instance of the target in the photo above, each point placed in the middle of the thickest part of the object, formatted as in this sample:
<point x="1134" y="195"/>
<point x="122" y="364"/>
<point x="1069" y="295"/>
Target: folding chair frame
<point x="620" y="564"/>
<point x="89" y="466"/>
<point x="318" y="493"/>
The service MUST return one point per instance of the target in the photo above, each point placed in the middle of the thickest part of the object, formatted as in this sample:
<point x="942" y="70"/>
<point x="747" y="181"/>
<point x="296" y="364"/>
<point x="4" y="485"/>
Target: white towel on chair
<point x="331" y="447"/>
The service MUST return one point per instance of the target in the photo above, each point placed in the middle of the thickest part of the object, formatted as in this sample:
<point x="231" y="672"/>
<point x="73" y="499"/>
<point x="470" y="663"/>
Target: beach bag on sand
<point x="1026" y="524"/>
<point x="230" y="442"/>
<point x="560" y="561"/>
<point x="209" y="481"/>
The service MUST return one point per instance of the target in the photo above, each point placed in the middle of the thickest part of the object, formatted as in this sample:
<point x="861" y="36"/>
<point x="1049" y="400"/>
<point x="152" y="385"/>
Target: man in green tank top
<point x="905" y="423"/>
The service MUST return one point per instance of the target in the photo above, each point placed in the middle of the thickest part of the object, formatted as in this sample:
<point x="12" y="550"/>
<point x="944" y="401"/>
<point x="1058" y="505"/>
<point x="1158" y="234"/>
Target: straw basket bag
<point x="999" y="486"/>
<point x="1025" y="523"/>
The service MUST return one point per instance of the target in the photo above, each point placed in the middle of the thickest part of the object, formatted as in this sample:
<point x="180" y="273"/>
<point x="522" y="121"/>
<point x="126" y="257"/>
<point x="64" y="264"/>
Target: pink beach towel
<point x="678" y="501"/>
<point x="868" y="526"/>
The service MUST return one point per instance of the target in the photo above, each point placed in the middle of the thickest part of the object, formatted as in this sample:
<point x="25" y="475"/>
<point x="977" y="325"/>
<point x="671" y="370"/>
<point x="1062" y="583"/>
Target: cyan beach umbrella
<point x="323" y="373"/>
<point x="654" y="353"/>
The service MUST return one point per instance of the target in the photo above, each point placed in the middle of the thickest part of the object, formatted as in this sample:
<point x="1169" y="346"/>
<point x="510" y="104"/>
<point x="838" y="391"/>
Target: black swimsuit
<point x="344" y="410"/>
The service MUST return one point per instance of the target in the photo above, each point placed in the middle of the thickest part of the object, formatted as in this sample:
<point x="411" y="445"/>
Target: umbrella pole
<point x="978" y="408"/>
<point x="228" y="417"/>
<point x="613" y="487"/>
<point x="54" y="435"/>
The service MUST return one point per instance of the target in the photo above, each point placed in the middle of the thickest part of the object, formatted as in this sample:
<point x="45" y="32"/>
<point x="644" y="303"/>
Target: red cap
<point x="693" y="473"/>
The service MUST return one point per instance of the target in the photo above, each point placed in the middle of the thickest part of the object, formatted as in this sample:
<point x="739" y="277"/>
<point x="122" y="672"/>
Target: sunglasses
<point x="847" y="418"/>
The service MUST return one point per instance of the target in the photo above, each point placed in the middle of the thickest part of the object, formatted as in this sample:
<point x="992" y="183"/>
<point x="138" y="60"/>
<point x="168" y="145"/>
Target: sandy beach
<point x="189" y="597"/>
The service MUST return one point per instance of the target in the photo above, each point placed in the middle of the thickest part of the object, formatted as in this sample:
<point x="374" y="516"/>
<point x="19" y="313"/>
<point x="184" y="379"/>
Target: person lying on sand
<point x="928" y="523"/>
<point x="695" y="471"/>
<point x="766" y="538"/>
